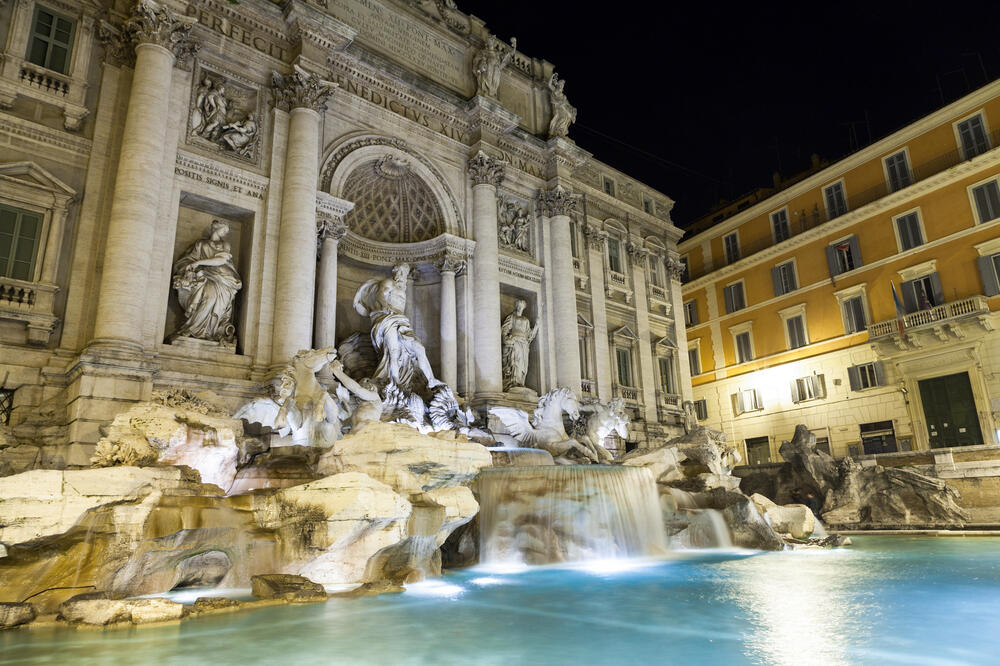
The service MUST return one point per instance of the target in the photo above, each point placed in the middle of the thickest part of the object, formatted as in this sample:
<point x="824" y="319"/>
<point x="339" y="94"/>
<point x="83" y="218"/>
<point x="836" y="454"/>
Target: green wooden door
<point x="950" y="411"/>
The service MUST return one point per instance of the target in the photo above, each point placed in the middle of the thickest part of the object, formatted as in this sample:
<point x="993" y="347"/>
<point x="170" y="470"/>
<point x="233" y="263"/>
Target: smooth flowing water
<point x="565" y="513"/>
<point x="888" y="600"/>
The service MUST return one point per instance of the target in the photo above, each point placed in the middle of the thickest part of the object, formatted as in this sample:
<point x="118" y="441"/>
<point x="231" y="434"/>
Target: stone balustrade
<point x="967" y="307"/>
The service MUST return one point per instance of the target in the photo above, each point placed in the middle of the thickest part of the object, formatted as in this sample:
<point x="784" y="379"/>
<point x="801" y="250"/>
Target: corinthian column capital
<point x="484" y="170"/>
<point x="151" y="23"/>
<point x="558" y="201"/>
<point x="301" y="90"/>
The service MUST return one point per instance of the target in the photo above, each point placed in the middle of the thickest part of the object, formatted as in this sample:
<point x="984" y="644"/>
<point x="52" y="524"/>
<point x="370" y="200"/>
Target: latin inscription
<point x="227" y="28"/>
<point x="400" y="38"/>
<point x="222" y="179"/>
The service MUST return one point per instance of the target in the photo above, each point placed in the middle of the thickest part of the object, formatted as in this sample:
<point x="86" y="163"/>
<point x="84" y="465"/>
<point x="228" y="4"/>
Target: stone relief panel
<point x="513" y="225"/>
<point x="225" y="115"/>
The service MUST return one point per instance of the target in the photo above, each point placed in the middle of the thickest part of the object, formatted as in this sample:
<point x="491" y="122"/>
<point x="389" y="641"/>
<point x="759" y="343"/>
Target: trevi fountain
<point x="416" y="453"/>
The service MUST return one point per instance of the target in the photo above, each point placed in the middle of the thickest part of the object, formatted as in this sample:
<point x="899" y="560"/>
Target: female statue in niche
<point x="563" y="113"/>
<point x="207" y="282"/>
<point x="517" y="333"/>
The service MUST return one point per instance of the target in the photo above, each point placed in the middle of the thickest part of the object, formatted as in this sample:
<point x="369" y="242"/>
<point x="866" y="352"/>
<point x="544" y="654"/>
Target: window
<point x="647" y="205"/>
<point x="878" y="437"/>
<point x="701" y="409"/>
<point x="758" y="451"/>
<point x="854" y="314"/>
<point x="654" y="270"/>
<point x="809" y="387"/>
<point x="779" y="225"/>
<point x="972" y="135"/>
<point x="690" y="313"/>
<point x="666" y="374"/>
<point x="609" y="186"/>
<point x="796" y="329"/>
<point x="614" y="255"/>
<point x="685" y="270"/>
<point x="19" y="234"/>
<point x="731" y="243"/>
<point x="51" y="41"/>
<point x="987" y="198"/>
<point x="843" y="256"/>
<point x="897" y="171"/>
<point x="836" y="201"/>
<point x="744" y="347"/>
<point x="6" y="406"/>
<point x="624" y="359"/>
<point x="694" y="361"/>
<point x="989" y="272"/>
<point x="922" y="293"/>
<point x="908" y="233"/>
<point x="747" y="400"/>
<point x="866" y="375"/>
<point x="572" y="239"/>
<point x="823" y="444"/>
<point x="783" y="277"/>
<point x="733" y="296"/>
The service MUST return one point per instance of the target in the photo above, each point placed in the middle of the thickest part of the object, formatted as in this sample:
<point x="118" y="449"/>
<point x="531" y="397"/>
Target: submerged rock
<point x="287" y="586"/>
<point x="14" y="614"/>
<point x="796" y="520"/>
<point x="102" y="612"/>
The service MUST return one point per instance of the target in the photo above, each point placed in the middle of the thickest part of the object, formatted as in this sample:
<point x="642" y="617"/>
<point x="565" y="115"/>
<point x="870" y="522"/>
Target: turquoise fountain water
<point x="886" y="601"/>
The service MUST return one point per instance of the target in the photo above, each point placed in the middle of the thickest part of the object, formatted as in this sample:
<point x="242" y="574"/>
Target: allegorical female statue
<point x="517" y="333"/>
<point x="563" y="113"/>
<point x="207" y="282"/>
<point x="488" y="63"/>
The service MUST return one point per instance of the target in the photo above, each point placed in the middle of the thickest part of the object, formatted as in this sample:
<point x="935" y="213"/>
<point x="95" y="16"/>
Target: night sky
<point x="705" y="102"/>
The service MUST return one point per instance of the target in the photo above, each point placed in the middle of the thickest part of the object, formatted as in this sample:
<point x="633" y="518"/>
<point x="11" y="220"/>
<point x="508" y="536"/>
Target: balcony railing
<point x="934" y="316"/>
<point x="43" y="80"/>
<point x="617" y="278"/>
<point x="804" y="219"/>
<point x="627" y="393"/>
<point x="17" y="295"/>
<point x="587" y="386"/>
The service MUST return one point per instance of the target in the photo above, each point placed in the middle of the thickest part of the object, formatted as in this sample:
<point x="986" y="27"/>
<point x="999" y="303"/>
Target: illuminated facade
<point x="789" y="309"/>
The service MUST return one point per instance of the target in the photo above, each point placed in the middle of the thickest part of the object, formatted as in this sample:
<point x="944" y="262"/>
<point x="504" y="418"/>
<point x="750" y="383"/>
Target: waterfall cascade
<point x="565" y="513"/>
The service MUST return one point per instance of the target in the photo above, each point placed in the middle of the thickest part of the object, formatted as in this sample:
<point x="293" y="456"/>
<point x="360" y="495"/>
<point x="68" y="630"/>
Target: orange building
<point x="789" y="306"/>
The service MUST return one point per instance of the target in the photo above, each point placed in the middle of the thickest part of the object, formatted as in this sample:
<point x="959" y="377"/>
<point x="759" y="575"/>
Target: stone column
<point x="329" y="229"/>
<point x="160" y="38"/>
<point x="675" y="269"/>
<point x="557" y="205"/>
<point x="603" y="373"/>
<point x="449" y="267"/>
<point x="647" y="371"/>
<point x="486" y="174"/>
<point x="304" y="96"/>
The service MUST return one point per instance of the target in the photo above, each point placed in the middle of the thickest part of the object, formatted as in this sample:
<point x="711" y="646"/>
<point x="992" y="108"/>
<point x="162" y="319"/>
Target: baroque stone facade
<point x="334" y="141"/>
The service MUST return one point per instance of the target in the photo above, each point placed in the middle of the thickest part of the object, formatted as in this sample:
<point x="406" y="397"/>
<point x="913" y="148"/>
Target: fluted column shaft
<point x="486" y="174"/>
<point x="449" y="327"/>
<point x="330" y="231"/>
<point x="558" y="204"/>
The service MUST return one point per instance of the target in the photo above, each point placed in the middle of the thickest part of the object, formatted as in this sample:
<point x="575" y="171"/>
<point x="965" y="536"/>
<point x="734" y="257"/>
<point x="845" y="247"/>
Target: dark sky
<point x="704" y="102"/>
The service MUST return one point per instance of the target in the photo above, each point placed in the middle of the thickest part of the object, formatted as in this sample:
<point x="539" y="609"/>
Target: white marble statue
<point x="489" y="63"/>
<point x="517" y="333"/>
<point x="392" y="335"/>
<point x="599" y="421"/>
<point x="563" y="113"/>
<point x="302" y="406"/>
<point x="545" y="429"/>
<point x="207" y="283"/>
<point x="512" y="227"/>
<point x="240" y="136"/>
<point x="365" y="404"/>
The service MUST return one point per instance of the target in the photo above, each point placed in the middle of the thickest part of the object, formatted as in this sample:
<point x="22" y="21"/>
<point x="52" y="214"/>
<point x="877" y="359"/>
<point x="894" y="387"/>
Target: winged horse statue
<point x="545" y="429"/>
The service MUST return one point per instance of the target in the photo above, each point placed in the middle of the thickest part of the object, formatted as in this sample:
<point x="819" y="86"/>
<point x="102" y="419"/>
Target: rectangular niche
<point x="508" y="297"/>
<point x="194" y="222"/>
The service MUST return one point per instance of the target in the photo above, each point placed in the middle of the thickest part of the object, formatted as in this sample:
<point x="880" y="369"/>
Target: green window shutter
<point x="854" y="378"/>
<point x="988" y="274"/>
<point x="879" y="373"/>
<point x="19" y="236"/>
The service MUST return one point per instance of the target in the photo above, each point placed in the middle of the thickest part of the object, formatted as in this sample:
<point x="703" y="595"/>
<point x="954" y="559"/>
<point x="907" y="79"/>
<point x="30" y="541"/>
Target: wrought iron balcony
<point x="932" y="318"/>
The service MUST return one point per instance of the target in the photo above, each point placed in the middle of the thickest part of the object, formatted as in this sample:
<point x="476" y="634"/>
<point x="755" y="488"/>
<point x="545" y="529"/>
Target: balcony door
<point x="950" y="411"/>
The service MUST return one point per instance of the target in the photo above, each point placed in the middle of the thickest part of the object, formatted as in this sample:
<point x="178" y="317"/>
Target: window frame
<point x="669" y="387"/>
<point x="617" y="244"/>
<point x="735" y="234"/>
<point x="743" y="294"/>
<point x="629" y="367"/>
<point x="701" y="409"/>
<point x="920" y="228"/>
<point x="843" y="296"/>
<point x="50" y="40"/>
<point x="981" y="113"/>
<point x="694" y="353"/>
<point x="777" y="272"/>
<point x="783" y="211"/>
<point x="740" y="397"/>
<point x="992" y="180"/>
<point x="735" y="332"/>
<point x="808" y="387"/>
<point x="909" y="180"/>
<point x="691" y="321"/>
<point x="853" y="243"/>
<point x="826" y="201"/>
<point x="873" y="369"/>
<point x="608" y="186"/>
<point x="35" y="264"/>
<point x="786" y="315"/>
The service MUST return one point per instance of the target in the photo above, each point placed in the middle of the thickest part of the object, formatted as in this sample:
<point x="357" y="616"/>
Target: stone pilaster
<point x="596" y="241"/>
<point x="159" y="39"/>
<point x="330" y="228"/>
<point x="304" y="96"/>
<point x="647" y="372"/>
<point x="486" y="174"/>
<point x="557" y="205"/>
<point x="449" y="267"/>
<point x="675" y="269"/>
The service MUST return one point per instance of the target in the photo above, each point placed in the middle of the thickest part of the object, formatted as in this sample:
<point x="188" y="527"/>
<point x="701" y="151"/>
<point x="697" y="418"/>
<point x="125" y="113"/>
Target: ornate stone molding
<point x="675" y="269"/>
<point x="450" y="263"/>
<point x="301" y="90"/>
<point x="484" y="170"/>
<point x="558" y="201"/>
<point x="117" y="49"/>
<point x="329" y="227"/>
<point x="596" y="238"/>
<point x="422" y="253"/>
<point x="151" y="23"/>
<point x="636" y="253"/>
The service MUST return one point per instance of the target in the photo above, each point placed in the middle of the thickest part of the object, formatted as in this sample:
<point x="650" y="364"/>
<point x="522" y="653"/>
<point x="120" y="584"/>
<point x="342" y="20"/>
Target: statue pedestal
<point x="522" y="393"/>
<point x="195" y="343"/>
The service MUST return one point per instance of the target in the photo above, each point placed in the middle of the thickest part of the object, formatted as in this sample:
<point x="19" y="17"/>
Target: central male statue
<point x="392" y="335"/>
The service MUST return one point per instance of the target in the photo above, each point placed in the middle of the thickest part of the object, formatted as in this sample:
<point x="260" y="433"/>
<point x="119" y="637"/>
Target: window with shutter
<point x="744" y="350"/>
<point x="19" y="235"/>
<point x="989" y="272"/>
<point x="779" y="225"/>
<point x="987" y="198"/>
<point x="843" y="256"/>
<point x="666" y="375"/>
<point x="624" y="366"/>
<point x="972" y="133"/>
<point x="733" y="297"/>
<point x="922" y="293"/>
<point x="908" y="229"/>
<point x="731" y="243"/>
<point x="690" y="313"/>
<point x="854" y="315"/>
<point x="836" y="201"/>
<point x="701" y="409"/>
<point x="783" y="276"/>
<point x="796" y="332"/>
<point x="865" y="375"/>
<point x="614" y="255"/>
<point x="51" y="40"/>
<point x="897" y="171"/>
<point x="694" y="361"/>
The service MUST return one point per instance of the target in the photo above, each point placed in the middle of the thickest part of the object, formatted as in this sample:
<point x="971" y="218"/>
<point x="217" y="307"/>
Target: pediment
<point x="625" y="333"/>
<point x="581" y="321"/>
<point x="32" y="175"/>
<point x="666" y="341"/>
